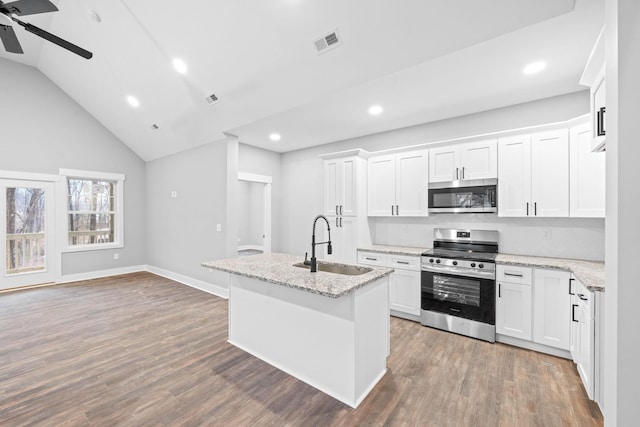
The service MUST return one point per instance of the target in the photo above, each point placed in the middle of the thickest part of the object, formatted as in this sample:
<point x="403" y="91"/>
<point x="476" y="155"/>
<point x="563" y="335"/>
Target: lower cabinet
<point x="513" y="302"/>
<point x="404" y="282"/>
<point x="583" y="335"/>
<point x="551" y="308"/>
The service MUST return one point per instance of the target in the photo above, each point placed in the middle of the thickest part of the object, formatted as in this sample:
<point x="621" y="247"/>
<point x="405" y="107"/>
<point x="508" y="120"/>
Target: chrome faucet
<point x="313" y="263"/>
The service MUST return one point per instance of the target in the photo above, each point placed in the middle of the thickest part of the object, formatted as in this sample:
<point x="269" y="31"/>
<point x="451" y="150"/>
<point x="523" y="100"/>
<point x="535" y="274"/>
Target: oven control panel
<point x="446" y="263"/>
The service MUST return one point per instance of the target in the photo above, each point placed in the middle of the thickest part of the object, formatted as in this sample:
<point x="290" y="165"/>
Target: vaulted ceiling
<point x="421" y="60"/>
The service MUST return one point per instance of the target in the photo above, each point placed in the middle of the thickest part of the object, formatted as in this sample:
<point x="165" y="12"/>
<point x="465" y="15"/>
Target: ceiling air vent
<point x="328" y="42"/>
<point x="212" y="99"/>
<point x="155" y="127"/>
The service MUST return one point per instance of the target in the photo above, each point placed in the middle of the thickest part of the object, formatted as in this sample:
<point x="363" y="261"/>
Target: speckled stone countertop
<point x="278" y="269"/>
<point x="394" y="250"/>
<point x="590" y="273"/>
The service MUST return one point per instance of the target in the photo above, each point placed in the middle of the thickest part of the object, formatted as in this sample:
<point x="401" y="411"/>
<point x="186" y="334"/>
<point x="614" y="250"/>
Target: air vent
<point x="212" y="99"/>
<point x="155" y="127"/>
<point x="328" y="42"/>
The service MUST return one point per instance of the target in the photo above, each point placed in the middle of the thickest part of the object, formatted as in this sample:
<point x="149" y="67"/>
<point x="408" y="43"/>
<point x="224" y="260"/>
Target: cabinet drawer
<point x="404" y="262"/>
<point x="373" y="258"/>
<point x="514" y="274"/>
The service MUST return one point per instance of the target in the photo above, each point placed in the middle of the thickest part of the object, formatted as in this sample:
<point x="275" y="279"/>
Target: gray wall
<point x="263" y="162"/>
<point x="302" y="177"/>
<point x="44" y="130"/>
<point x="250" y="213"/>
<point x="181" y="232"/>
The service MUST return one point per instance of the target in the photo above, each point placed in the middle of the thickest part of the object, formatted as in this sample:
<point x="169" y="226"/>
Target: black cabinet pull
<point x="340" y="209"/>
<point x="571" y="279"/>
<point x="499" y="290"/>
<point x="340" y="222"/>
<point x="527" y="208"/>
<point x="371" y="259"/>
<point x="337" y="210"/>
<point x="457" y="174"/>
<point x="600" y="127"/>
<point x="397" y="210"/>
<point x="512" y="274"/>
<point x="463" y="172"/>
<point x="535" y="209"/>
<point x="402" y="262"/>
<point x="391" y="209"/>
<point x="573" y="313"/>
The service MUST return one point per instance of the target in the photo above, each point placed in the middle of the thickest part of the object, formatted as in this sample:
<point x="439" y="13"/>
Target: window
<point x="93" y="209"/>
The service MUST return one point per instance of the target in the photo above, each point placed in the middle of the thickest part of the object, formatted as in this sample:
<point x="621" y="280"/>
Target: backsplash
<point x="580" y="238"/>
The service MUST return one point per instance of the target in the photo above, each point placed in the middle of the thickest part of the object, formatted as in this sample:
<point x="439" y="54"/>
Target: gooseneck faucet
<point x="314" y="264"/>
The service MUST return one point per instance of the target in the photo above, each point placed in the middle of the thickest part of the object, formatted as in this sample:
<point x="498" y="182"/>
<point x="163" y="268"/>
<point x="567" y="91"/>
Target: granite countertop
<point x="393" y="250"/>
<point x="590" y="273"/>
<point x="278" y="268"/>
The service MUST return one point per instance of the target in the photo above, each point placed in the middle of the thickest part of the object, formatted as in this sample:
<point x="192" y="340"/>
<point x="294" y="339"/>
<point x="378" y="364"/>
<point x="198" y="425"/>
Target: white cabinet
<point x="397" y="184"/>
<point x="593" y="76"/>
<point x="404" y="282"/>
<point x="344" y="240"/>
<point x="472" y="160"/>
<point x="587" y="175"/>
<point x="583" y="335"/>
<point x="513" y="301"/>
<point x="551" y="308"/>
<point x="340" y="186"/>
<point x="533" y="175"/>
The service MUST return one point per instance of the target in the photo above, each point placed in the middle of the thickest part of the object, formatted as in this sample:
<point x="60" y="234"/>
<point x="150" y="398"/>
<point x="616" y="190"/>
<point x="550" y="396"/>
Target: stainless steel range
<point x="458" y="282"/>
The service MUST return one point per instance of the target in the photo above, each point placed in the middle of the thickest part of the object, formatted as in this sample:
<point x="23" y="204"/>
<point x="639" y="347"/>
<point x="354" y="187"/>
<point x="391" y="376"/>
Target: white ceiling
<point x="422" y="60"/>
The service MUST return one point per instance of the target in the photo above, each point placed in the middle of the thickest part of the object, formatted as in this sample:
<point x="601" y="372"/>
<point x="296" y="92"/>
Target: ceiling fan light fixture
<point x="180" y="66"/>
<point x="133" y="101"/>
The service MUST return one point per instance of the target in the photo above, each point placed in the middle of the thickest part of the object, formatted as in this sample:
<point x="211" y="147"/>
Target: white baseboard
<point x="217" y="290"/>
<point x="67" y="278"/>
<point x="533" y="346"/>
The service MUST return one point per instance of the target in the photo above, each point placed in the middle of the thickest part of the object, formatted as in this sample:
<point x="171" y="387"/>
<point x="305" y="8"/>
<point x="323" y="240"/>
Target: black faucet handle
<point x="306" y="261"/>
<point x="329" y="248"/>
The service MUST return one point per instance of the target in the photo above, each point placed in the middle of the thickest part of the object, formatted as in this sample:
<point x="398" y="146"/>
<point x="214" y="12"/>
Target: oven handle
<point x="457" y="272"/>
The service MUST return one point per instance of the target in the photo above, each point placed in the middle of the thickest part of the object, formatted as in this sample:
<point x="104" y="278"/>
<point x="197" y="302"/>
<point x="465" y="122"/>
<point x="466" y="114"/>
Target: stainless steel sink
<point x="348" y="270"/>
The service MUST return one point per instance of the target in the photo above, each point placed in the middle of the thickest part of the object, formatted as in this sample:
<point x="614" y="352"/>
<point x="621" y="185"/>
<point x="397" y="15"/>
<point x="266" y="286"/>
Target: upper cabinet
<point x="594" y="77"/>
<point x="533" y="175"/>
<point x="587" y="175"/>
<point x="340" y="186"/>
<point x="472" y="160"/>
<point x="397" y="184"/>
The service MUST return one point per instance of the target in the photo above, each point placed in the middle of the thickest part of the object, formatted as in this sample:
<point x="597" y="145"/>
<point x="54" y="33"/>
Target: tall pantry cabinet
<point x="345" y="205"/>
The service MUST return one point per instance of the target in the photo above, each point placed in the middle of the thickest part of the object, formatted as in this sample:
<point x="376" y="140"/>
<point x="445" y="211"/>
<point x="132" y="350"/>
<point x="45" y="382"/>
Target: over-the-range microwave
<point x="464" y="196"/>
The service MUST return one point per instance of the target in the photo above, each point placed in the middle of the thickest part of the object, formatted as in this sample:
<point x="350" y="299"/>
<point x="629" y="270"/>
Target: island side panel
<point x="372" y="335"/>
<point x="304" y="334"/>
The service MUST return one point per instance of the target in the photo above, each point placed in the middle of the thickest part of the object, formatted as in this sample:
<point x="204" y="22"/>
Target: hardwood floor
<point x="140" y="350"/>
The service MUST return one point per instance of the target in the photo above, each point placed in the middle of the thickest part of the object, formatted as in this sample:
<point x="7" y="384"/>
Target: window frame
<point x="118" y="232"/>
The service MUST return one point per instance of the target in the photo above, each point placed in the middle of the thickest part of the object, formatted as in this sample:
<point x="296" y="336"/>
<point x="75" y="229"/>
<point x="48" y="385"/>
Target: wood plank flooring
<point x="141" y="350"/>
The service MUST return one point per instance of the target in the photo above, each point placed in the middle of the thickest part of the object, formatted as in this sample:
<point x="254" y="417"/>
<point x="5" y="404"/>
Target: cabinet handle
<point x="463" y="172"/>
<point x="512" y="274"/>
<point x="573" y="313"/>
<point x="527" y="208"/>
<point x="392" y="210"/>
<point x="535" y="209"/>
<point x="600" y="130"/>
<point x="340" y="222"/>
<point x="457" y="174"/>
<point x="402" y="262"/>
<point x="371" y="259"/>
<point x="397" y="210"/>
<point x="499" y="290"/>
<point x="337" y="210"/>
<point x="582" y="297"/>
<point x="340" y="209"/>
<point x="336" y="222"/>
<point x="571" y="279"/>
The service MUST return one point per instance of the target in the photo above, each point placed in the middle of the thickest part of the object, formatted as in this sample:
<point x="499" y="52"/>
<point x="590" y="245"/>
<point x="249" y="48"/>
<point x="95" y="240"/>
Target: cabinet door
<point x="514" y="176"/>
<point x="381" y="186"/>
<point x="513" y="310"/>
<point x="404" y="291"/>
<point x="587" y="175"/>
<point x="331" y="186"/>
<point x="574" y="346"/>
<point x="344" y="240"/>
<point x="551" y="308"/>
<point x="479" y="160"/>
<point x="585" y="362"/>
<point x="550" y="173"/>
<point x="347" y="201"/>
<point x="412" y="181"/>
<point x="444" y="163"/>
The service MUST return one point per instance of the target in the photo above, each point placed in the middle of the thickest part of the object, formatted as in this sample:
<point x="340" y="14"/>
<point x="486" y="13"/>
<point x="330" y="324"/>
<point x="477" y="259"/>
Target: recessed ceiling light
<point x="374" y="110"/>
<point x="180" y="66"/>
<point x="534" y="67"/>
<point x="275" y="137"/>
<point x="133" y="101"/>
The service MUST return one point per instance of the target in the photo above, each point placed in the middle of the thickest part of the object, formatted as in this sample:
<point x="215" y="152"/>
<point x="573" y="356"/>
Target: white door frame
<point x="54" y="258"/>
<point x="266" y="194"/>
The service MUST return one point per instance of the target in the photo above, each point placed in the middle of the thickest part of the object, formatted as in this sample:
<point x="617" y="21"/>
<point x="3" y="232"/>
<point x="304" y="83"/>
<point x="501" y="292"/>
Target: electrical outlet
<point x="174" y="194"/>
<point x="116" y="256"/>
<point x="218" y="227"/>
<point x="546" y="235"/>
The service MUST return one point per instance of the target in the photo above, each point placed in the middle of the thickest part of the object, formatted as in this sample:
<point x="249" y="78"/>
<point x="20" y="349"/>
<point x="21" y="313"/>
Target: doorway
<point x="27" y="233"/>
<point x="254" y="214"/>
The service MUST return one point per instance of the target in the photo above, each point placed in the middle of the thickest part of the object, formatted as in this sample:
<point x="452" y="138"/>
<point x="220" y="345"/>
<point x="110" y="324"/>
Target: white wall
<point x="302" y="176"/>
<point x="268" y="163"/>
<point x="250" y="198"/>
<point x="43" y="130"/>
<point x="181" y="232"/>
<point x="622" y="345"/>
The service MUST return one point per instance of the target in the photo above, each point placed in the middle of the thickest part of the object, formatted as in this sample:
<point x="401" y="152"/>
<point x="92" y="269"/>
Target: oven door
<point x="459" y="295"/>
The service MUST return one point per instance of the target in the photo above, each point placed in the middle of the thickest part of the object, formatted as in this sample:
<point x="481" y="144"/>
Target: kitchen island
<point x="329" y="330"/>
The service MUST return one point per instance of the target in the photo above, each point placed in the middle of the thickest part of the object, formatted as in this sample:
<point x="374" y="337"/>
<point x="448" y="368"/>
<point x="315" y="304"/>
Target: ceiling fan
<point x="30" y="7"/>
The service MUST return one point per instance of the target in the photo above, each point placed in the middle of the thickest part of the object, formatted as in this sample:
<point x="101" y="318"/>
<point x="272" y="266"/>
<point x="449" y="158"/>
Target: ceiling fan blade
<point x="30" y="7"/>
<point x="9" y="39"/>
<point x="55" y="39"/>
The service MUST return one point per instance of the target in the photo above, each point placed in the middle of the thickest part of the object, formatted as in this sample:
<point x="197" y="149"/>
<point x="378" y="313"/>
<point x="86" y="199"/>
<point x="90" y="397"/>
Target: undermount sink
<point x="347" y="270"/>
